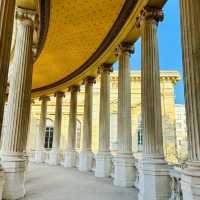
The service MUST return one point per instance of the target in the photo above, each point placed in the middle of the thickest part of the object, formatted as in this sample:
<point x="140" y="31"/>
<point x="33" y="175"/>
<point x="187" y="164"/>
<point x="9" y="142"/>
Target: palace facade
<point x="168" y="82"/>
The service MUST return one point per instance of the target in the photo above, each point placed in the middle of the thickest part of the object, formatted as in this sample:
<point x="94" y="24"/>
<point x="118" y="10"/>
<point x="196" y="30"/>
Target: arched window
<point x="78" y="134"/>
<point x="49" y="134"/>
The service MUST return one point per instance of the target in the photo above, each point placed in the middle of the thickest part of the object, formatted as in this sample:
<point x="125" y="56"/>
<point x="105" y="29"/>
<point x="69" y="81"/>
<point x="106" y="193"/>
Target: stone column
<point x="19" y="101"/>
<point x="26" y="151"/>
<point x="40" y="136"/>
<point x="103" y="157"/>
<point x="124" y="172"/>
<point x="154" y="168"/>
<point x="55" y="152"/>
<point x="70" y="154"/>
<point x="86" y="155"/>
<point x="191" y="59"/>
<point x="6" y="29"/>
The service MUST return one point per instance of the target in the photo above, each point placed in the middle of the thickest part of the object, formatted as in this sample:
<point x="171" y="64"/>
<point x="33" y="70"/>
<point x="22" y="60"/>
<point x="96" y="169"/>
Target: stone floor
<point x="57" y="183"/>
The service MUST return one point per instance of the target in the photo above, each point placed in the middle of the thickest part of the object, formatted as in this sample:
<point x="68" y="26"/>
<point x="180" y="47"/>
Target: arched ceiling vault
<point x="81" y="35"/>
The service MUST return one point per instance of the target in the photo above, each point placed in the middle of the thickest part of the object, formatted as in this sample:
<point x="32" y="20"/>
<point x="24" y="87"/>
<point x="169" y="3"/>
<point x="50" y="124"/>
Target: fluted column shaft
<point x="154" y="169"/>
<point x="87" y="121"/>
<point x="124" y="100"/>
<point x="70" y="154"/>
<point x="103" y="157"/>
<point x="150" y="85"/>
<point x="71" y="139"/>
<point x="40" y="135"/>
<point x="124" y="172"/>
<point x="191" y="60"/>
<point x="190" y="26"/>
<point x="104" y="115"/>
<point x="86" y="155"/>
<point x="19" y="99"/>
<point x="42" y="124"/>
<point x="6" y="27"/>
<point x="58" y="121"/>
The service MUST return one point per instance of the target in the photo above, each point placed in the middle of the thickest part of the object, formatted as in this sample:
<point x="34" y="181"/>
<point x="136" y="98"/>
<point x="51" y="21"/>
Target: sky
<point x="169" y="40"/>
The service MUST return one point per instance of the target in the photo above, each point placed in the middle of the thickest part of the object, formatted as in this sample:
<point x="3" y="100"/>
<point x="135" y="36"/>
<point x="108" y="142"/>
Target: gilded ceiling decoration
<point x="76" y="30"/>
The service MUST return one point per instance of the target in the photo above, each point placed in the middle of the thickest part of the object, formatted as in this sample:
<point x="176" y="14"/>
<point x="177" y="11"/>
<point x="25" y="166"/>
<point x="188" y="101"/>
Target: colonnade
<point x="154" y="169"/>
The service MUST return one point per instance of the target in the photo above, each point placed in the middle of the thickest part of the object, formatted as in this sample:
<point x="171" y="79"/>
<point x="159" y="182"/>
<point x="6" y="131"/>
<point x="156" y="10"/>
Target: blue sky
<point x="169" y="39"/>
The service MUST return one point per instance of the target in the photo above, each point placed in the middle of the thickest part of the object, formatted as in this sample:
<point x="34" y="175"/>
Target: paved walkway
<point x="57" y="183"/>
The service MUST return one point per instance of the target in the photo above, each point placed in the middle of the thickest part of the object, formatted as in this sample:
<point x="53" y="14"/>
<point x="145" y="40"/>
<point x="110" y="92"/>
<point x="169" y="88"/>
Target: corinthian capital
<point x="26" y="16"/>
<point x="74" y="88"/>
<point x="105" y="67"/>
<point x="89" y="80"/>
<point x="125" y="47"/>
<point x="153" y="13"/>
<point x="150" y="14"/>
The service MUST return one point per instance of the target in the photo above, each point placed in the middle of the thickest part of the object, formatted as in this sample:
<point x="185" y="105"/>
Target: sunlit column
<point x="103" y="157"/>
<point x="40" y="136"/>
<point x="6" y="27"/>
<point x="19" y="101"/>
<point x="71" y="154"/>
<point x="86" y="155"/>
<point x="190" y="26"/>
<point x="154" y="167"/>
<point x="55" y="152"/>
<point x="124" y="172"/>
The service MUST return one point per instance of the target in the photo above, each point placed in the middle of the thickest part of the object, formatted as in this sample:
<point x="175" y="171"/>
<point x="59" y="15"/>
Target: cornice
<point x="44" y="17"/>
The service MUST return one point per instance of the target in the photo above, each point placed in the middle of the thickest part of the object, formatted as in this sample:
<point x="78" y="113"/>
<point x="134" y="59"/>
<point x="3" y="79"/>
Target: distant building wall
<point x="168" y="81"/>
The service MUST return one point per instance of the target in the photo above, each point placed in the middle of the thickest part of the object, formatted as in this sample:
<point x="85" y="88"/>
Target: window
<point x="48" y="137"/>
<point x="49" y="134"/>
<point x="140" y="140"/>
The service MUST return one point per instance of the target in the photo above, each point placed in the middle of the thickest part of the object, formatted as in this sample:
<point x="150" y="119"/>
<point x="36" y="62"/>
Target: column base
<point x="39" y="156"/>
<point x="2" y="182"/>
<point x="190" y="181"/>
<point x="103" y="164"/>
<point x="124" y="170"/>
<point x="14" y="166"/>
<point x="154" y="182"/>
<point x="26" y="157"/>
<point x="85" y="161"/>
<point x="54" y="157"/>
<point x="70" y="159"/>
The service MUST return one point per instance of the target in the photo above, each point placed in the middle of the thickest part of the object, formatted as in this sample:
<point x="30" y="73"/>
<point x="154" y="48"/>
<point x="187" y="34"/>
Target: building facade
<point x="181" y="132"/>
<point x="168" y="81"/>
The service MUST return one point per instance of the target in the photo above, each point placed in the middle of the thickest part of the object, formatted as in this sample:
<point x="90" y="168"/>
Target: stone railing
<point x="46" y="156"/>
<point x="93" y="164"/>
<point x="112" y="170"/>
<point x="31" y="155"/>
<point x="138" y="169"/>
<point x="175" y="182"/>
<point x="62" y="157"/>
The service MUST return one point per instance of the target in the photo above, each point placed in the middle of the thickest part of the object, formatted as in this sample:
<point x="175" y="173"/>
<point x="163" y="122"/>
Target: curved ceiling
<point x="81" y="35"/>
<point x="76" y="30"/>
